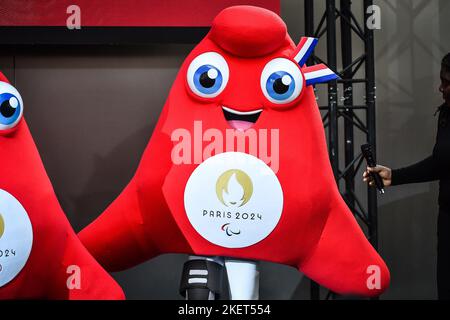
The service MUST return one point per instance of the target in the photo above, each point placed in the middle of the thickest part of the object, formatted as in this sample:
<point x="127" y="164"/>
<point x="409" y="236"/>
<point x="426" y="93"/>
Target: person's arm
<point x="423" y="171"/>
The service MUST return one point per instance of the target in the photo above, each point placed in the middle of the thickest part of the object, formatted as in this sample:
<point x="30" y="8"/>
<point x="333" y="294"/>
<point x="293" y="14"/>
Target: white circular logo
<point x="233" y="200"/>
<point x="16" y="237"/>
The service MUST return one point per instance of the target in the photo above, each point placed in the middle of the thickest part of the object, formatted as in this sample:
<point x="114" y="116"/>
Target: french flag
<point x="319" y="73"/>
<point x="316" y="74"/>
<point x="304" y="50"/>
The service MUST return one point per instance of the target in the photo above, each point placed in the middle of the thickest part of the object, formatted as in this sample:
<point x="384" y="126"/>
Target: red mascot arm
<point x="343" y="260"/>
<point x="95" y="283"/>
<point x="114" y="238"/>
<point x="138" y="225"/>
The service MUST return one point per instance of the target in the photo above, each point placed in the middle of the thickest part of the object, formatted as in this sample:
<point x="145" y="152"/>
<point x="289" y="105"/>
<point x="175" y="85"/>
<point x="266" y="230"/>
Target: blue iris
<point x="280" y="85"/>
<point x="208" y="79"/>
<point x="10" y="109"/>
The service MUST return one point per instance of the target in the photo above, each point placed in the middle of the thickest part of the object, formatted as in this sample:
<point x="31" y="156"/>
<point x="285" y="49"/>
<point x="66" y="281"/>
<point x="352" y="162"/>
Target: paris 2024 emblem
<point x="233" y="200"/>
<point x="16" y="237"/>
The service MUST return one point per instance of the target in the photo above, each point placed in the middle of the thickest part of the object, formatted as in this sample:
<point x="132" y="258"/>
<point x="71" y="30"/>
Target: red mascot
<point x="238" y="168"/>
<point x="40" y="255"/>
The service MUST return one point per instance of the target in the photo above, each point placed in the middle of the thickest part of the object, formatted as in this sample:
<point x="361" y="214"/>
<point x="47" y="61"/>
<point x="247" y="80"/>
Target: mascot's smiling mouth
<point x="241" y="120"/>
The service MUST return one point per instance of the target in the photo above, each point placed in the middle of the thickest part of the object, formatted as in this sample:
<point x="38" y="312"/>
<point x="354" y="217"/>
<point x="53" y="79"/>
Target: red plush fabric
<point x="316" y="233"/>
<point x="55" y="246"/>
<point x="248" y="35"/>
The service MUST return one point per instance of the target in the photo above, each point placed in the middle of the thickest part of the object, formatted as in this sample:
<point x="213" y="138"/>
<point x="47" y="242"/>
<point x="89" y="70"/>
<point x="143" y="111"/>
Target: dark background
<point x="91" y="110"/>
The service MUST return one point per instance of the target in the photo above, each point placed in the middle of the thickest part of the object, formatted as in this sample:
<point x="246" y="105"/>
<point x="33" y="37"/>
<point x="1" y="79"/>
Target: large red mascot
<point x="40" y="255"/>
<point x="237" y="166"/>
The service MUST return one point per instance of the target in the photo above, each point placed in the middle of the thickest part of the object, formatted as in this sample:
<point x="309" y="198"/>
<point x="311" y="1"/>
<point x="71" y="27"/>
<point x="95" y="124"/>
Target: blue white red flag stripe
<point x="319" y="73"/>
<point x="304" y="50"/>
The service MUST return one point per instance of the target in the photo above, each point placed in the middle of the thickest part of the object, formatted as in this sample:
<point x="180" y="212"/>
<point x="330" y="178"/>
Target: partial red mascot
<point x="41" y="257"/>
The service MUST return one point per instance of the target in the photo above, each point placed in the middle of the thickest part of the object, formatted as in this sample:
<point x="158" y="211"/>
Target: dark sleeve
<point x="423" y="171"/>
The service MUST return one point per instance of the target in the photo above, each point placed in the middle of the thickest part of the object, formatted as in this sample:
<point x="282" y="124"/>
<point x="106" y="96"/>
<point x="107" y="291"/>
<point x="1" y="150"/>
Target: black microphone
<point x="371" y="163"/>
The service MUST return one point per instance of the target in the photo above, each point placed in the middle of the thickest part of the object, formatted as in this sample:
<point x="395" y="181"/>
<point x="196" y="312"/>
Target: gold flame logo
<point x="234" y="188"/>
<point x="2" y="226"/>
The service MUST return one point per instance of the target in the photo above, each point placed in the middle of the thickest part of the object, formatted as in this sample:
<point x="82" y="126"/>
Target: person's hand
<point x="384" y="172"/>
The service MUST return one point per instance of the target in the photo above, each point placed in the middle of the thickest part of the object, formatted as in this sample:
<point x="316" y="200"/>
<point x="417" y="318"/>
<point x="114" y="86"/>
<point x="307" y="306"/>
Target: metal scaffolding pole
<point x="309" y="18"/>
<point x="310" y="32"/>
<point x="347" y="59"/>
<point x="333" y="133"/>
<point x="365" y="211"/>
<point x="371" y="118"/>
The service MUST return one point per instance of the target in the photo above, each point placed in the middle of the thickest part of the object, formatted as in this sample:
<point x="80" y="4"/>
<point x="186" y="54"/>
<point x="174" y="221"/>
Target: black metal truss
<point x="345" y="109"/>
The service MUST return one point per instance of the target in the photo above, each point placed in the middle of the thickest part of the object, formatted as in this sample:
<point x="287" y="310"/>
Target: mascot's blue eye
<point x="10" y="109"/>
<point x="281" y="81"/>
<point x="280" y="86"/>
<point x="208" y="79"/>
<point x="208" y="75"/>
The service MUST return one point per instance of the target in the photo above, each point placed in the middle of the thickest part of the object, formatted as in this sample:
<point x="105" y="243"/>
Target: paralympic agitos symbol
<point x="228" y="231"/>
